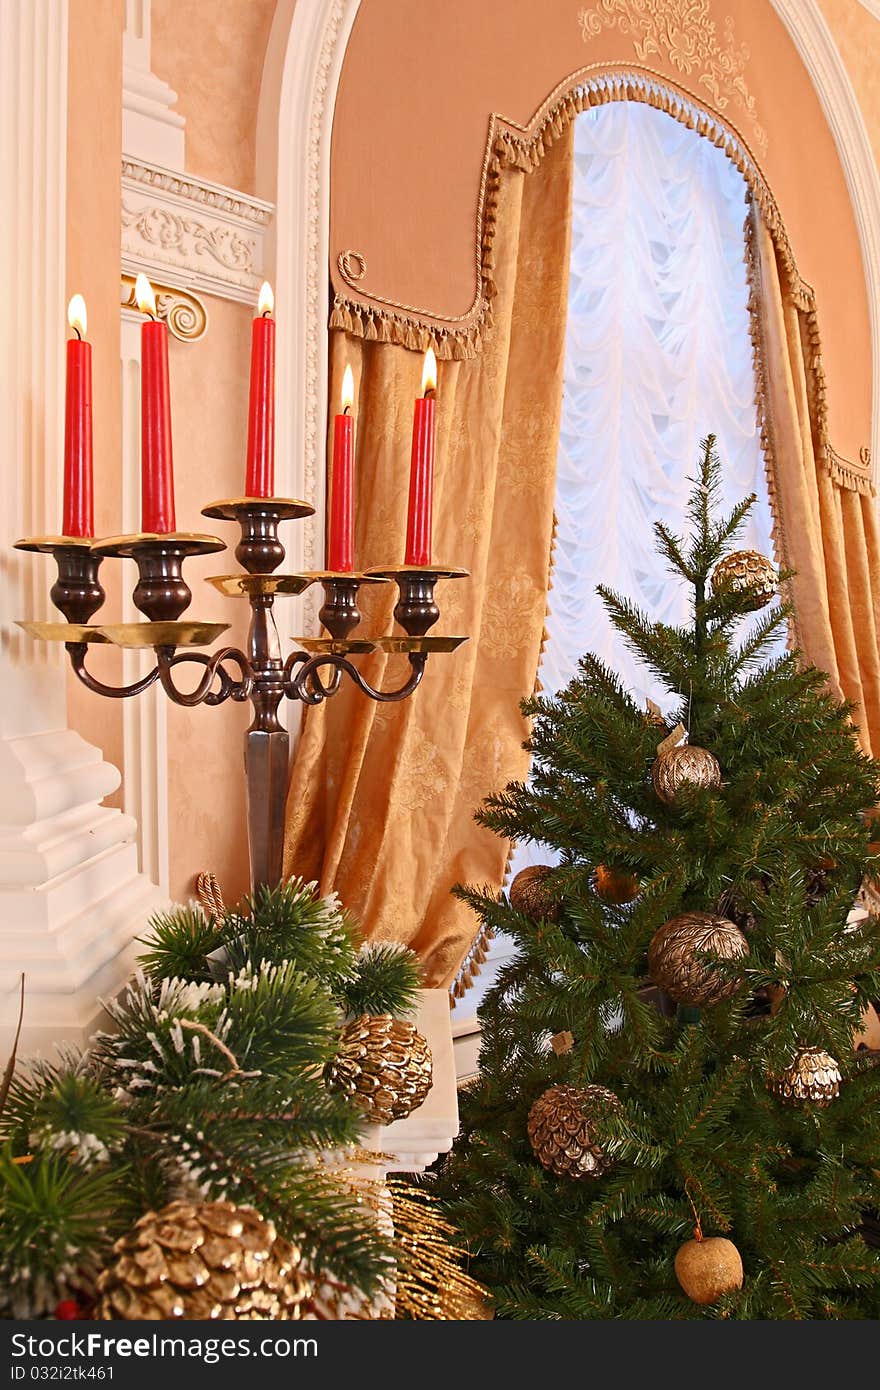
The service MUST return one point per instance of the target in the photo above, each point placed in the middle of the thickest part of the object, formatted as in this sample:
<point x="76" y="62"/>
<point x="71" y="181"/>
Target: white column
<point x="150" y="129"/>
<point x="71" y="899"/>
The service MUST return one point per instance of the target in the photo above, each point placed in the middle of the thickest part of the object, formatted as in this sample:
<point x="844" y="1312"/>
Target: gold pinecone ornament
<point x="683" y="766"/>
<point x="199" y="1261"/>
<point x="746" y="572"/>
<point x="675" y="963"/>
<point x="813" y="1078"/>
<point x="529" y="894"/>
<point x="562" y="1128"/>
<point x="384" y="1064"/>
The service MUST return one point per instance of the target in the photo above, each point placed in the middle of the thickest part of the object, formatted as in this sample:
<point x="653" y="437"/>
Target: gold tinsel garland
<point x="432" y="1283"/>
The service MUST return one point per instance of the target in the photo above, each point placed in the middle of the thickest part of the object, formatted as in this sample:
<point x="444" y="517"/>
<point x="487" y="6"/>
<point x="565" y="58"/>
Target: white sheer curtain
<point x="658" y="354"/>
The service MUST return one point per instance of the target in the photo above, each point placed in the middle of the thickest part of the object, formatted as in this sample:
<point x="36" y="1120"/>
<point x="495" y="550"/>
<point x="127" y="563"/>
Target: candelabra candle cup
<point x="259" y="551"/>
<point x="161" y="592"/>
<point x="416" y="610"/>
<point x="339" y="613"/>
<point x="77" y="592"/>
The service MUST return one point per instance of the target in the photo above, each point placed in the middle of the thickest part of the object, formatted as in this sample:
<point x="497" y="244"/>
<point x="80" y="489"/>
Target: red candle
<point x="157" y="466"/>
<point x="421" y="477"/>
<point x="78" y="505"/>
<point x="340" y="543"/>
<point x="260" y="480"/>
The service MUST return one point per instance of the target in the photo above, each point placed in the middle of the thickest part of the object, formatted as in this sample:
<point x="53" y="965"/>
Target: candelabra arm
<point x="228" y="689"/>
<point x="308" y="686"/>
<point x="77" y="652"/>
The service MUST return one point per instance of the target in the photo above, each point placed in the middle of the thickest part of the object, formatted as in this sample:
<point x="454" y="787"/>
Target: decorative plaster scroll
<point x="186" y="229"/>
<point x="684" y="33"/>
<point x="186" y="316"/>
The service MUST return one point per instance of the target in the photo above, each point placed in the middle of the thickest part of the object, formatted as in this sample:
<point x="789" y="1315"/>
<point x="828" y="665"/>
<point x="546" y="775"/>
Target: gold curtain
<point x="382" y="797"/>
<point x="826" y="524"/>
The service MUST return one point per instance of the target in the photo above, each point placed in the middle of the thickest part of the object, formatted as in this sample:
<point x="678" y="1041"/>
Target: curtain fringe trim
<point x="384" y="321"/>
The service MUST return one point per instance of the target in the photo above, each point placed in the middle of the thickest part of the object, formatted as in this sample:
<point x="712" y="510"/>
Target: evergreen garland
<point x="210" y="1083"/>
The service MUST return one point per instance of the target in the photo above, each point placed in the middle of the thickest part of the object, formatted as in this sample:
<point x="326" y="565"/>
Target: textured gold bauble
<point x="813" y="1078"/>
<point x="709" y="1268"/>
<point x="562" y="1128"/>
<point x="529" y="895"/>
<point x="201" y="1260"/>
<point x="684" y="766"/>
<point x="615" y="885"/>
<point x="674" y="958"/>
<point x="746" y="572"/>
<point x="384" y="1063"/>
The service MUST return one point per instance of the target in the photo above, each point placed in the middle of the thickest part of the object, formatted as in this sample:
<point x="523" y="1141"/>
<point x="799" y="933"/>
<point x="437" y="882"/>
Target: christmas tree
<point x="210" y="1091"/>
<point x="670" y="1119"/>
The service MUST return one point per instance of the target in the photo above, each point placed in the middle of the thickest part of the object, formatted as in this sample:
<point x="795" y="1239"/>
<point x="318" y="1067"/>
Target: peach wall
<point x="419" y="84"/>
<point x="857" y="35"/>
<point x="94" y="146"/>
<point x="212" y="56"/>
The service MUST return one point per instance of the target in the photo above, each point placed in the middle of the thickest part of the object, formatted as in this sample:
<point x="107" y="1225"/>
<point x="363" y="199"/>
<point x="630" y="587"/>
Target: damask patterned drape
<point x="382" y="798"/>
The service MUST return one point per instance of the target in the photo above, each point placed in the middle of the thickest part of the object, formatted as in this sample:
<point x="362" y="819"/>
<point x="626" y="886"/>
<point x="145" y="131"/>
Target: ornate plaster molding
<point x="192" y="232"/>
<point x="185" y="314"/>
<point x="814" y="42"/>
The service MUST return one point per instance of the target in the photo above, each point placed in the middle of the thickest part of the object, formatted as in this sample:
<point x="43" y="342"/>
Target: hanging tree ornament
<point x="562" y="1128"/>
<point x="675" y="958"/>
<point x="529" y="894"/>
<point x="707" y="1267"/>
<point x="683" y="765"/>
<point x="616" y="886"/>
<point x="384" y="1064"/>
<point x="199" y="1261"/>
<point x="749" y="573"/>
<point x="813" y="1078"/>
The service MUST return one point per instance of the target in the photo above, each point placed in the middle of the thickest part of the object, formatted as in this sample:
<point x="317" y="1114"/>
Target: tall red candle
<point x="260" y="479"/>
<point x="340" y="542"/>
<point x="157" y="465"/>
<point x="421" y="476"/>
<point x="79" y="517"/>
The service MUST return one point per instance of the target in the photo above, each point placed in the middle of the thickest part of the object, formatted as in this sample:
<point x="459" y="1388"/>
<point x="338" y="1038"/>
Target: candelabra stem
<point x="266" y="762"/>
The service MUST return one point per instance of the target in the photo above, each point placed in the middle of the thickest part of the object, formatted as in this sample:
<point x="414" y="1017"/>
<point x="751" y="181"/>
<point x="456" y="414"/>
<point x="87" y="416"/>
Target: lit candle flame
<point x="143" y="293"/>
<point x="429" y="373"/>
<point x="266" y="300"/>
<point x="347" y="390"/>
<point x="76" y="315"/>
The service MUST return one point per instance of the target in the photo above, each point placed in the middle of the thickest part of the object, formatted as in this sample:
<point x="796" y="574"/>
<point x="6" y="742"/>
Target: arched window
<point x="658" y="354"/>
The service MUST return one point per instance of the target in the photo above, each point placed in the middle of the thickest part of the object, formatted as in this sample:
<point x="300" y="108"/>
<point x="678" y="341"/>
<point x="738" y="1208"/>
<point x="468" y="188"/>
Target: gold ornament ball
<point x="674" y="961"/>
<point x="709" y="1268"/>
<point x="384" y="1064"/>
<point x="529" y="895"/>
<point x="199" y="1261"/>
<point x="615" y="885"/>
<point x="683" y="766"/>
<point x="562" y="1127"/>
<point x="813" y="1078"/>
<point x="746" y="572"/>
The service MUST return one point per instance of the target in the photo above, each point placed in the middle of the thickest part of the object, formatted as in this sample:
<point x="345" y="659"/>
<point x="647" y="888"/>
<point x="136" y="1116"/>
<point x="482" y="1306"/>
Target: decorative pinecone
<point x="529" y="895"/>
<point x="747" y="572"/>
<point x="562" y="1130"/>
<point x="813" y="1078"/>
<point x="384" y="1064"/>
<point x="201" y="1260"/>
<point x="683" y="766"/>
<point x="674" y="964"/>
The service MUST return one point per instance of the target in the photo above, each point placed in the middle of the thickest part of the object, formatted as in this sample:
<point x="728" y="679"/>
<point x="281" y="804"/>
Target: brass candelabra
<point x="311" y="673"/>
